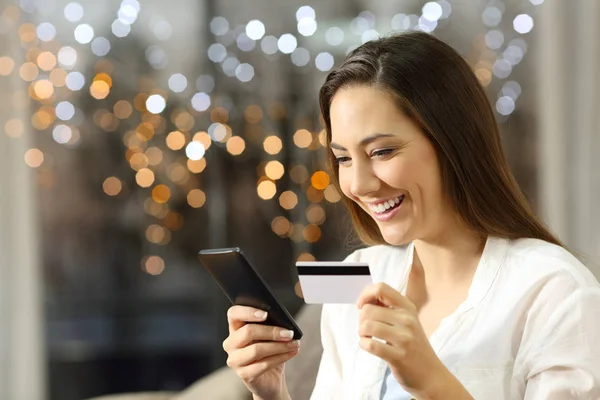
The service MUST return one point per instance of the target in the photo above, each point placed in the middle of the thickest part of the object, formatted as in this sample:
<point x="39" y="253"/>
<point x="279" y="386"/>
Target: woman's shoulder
<point x="543" y="260"/>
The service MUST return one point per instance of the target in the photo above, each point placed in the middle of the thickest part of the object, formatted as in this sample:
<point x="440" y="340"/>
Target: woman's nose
<point x="364" y="181"/>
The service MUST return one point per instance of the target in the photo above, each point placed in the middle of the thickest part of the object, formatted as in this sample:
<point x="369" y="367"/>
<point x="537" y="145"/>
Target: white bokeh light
<point x="119" y="29"/>
<point x="195" y="150"/>
<point x="368" y="35"/>
<point x="244" y="43"/>
<point x="400" y="22"/>
<point x="505" y="105"/>
<point x="156" y="103"/>
<point x="67" y="57"/>
<point x="128" y="12"/>
<point x="217" y="132"/>
<point x="426" y="25"/>
<point x="511" y="89"/>
<point x="269" y="44"/>
<point x="157" y="57"/>
<point x="305" y="12"/>
<point x="244" y="72"/>
<point x="287" y="43"/>
<point x="219" y="26"/>
<point x="494" y="39"/>
<point x="324" y="61"/>
<point x="492" y="16"/>
<point x="300" y="57"/>
<point x="62" y="134"/>
<point x="307" y="26"/>
<point x="523" y="23"/>
<point x="502" y="68"/>
<point x="334" y="36"/>
<point x="100" y="46"/>
<point x="162" y="29"/>
<point x="65" y="110"/>
<point x="75" y="81"/>
<point x="201" y="101"/>
<point x="229" y="65"/>
<point x="73" y="12"/>
<point x="217" y="52"/>
<point x="178" y="83"/>
<point x="255" y="29"/>
<point x="46" y="31"/>
<point x="84" y="33"/>
<point x="432" y="11"/>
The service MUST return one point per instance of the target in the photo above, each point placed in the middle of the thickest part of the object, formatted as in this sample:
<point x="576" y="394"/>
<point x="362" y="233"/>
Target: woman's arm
<point x="562" y="361"/>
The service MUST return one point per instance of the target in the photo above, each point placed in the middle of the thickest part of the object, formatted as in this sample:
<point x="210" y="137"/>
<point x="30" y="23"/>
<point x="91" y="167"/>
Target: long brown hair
<point x="435" y="86"/>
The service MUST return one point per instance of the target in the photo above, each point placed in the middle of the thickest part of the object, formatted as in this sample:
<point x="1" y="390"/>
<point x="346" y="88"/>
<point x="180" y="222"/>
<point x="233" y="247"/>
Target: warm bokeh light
<point x="323" y="138"/>
<point x="14" y="127"/>
<point x="331" y="194"/>
<point x="161" y="194"/>
<point x="175" y="140"/>
<point x="266" y="189"/>
<point x="27" y="32"/>
<point x="196" y="166"/>
<point x="7" y="65"/>
<point x="302" y="138"/>
<point x="320" y="180"/>
<point x="156" y="234"/>
<point x="153" y="265"/>
<point x="34" y="157"/>
<point x="281" y="226"/>
<point x="315" y="214"/>
<point x="306" y="257"/>
<point x="28" y="71"/>
<point x="274" y="170"/>
<point x="46" y="60"/>
<point x="178" y="173"/>
<point x="314" y="195"/>
<point x="173" y="221"/>
<point x="272" y="145"/>
<point x="99" y="89"/>
<point x="112" y="186"/>
<point x="138" y="161"/>
<point x="104" y="77"/>
<point x="288" y="200"/>
<point x="236" y="145"/>
<point x="144" y="131"/>
<point x="122" y="109"/>
<point x="154" y="156"/>
<point x="296" y="233"/>
<point x="196" y="198"/>
<point x="203" y="138"/>
<point x="299" y="174"/>
<point x="58" y="77"/>
<point x="312" y="233"/>
<point x="43" y="89"/>
<point x="144" y="177"/>
<point x="253" y="114"/>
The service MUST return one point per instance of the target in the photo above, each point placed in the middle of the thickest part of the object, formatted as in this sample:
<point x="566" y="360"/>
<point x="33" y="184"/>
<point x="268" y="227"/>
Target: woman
<point x="474" y="297"/>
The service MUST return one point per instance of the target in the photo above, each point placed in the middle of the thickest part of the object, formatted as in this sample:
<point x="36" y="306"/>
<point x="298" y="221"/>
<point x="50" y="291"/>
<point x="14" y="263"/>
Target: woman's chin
<point x="395" y="236"/>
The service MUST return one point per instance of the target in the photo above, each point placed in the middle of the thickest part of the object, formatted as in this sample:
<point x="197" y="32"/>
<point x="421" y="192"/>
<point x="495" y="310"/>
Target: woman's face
<point x="387" y="165"/>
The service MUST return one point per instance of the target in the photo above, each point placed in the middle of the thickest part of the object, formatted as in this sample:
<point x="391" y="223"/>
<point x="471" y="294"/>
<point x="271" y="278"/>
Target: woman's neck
<point x="451" y="256"/>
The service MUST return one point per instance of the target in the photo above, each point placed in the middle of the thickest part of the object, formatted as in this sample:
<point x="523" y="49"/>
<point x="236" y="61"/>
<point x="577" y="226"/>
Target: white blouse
<point x="529" y="328"/>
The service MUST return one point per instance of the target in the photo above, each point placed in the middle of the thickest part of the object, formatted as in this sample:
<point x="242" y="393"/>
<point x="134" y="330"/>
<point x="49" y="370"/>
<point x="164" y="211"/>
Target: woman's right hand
<point x="257" y="353"/>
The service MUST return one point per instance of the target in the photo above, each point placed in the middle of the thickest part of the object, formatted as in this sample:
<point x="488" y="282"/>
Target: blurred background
<point x="135" y="133"/>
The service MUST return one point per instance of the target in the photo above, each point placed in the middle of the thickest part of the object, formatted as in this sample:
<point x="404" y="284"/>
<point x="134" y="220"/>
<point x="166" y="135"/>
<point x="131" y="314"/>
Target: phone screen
<point x="243" y="286"/>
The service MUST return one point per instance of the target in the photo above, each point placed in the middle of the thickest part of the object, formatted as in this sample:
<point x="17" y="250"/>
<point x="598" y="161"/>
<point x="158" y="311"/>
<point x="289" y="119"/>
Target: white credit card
<point x="323" y="282"/>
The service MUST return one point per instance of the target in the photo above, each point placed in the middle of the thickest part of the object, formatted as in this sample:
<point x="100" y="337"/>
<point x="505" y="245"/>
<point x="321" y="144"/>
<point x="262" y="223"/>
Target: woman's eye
<point x="381" y="153"/>
<point x="342" y="160"/>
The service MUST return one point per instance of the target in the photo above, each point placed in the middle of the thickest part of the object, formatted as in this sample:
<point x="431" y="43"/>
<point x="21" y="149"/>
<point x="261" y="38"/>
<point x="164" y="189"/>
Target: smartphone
<point x="243" y="286"/>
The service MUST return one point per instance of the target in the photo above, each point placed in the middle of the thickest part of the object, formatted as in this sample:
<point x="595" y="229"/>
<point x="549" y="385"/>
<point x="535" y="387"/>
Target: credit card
<point x="331" y="282"/>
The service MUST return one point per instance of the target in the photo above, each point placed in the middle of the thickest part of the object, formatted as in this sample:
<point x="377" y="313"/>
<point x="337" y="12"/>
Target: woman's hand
<point x="257" y="353"/>
<point x="387" y="315"/>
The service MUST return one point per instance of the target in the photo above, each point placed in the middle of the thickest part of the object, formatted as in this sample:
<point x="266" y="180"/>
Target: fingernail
<point x="260" y="314"/>
<point x="284" y="333"/>
<point x="294" y="344"/>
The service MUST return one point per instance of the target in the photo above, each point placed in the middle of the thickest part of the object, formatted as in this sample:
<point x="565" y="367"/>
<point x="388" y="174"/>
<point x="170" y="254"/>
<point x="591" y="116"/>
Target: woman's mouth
<point x="385" y="210"/>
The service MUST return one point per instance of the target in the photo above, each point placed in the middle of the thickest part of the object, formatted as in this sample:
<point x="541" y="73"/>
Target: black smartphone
<point x="243" y="286"/>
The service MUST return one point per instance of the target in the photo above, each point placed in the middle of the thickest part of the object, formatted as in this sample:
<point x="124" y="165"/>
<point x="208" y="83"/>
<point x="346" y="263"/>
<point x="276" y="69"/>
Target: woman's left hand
<point x="387" y="315"/>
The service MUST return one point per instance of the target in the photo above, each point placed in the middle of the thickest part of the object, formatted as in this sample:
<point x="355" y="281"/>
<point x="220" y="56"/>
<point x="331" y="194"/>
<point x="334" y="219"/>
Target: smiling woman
<point x="474" y="297"/>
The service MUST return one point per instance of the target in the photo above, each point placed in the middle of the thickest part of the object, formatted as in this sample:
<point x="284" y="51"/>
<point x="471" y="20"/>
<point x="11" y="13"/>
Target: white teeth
<point x="386" y="205"/>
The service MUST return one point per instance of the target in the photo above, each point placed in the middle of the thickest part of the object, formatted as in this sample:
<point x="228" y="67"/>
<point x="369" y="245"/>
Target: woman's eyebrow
<point x="363" y="142"/>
